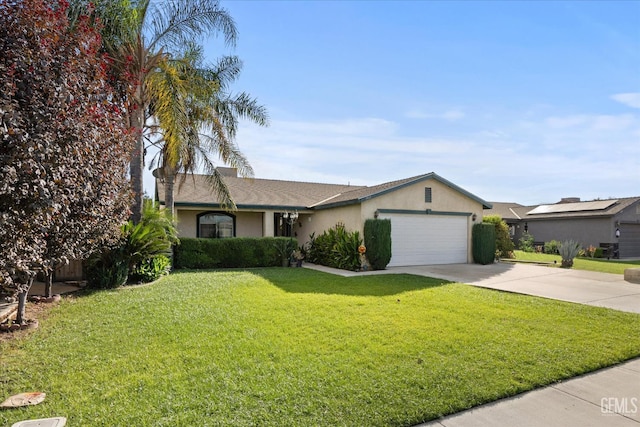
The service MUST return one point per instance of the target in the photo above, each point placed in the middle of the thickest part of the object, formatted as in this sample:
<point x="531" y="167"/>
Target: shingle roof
<point x="366" y="193"/>
<point x="507" y="211"/>
<point x="261" y="193"/>
<point x="253" y="192"/>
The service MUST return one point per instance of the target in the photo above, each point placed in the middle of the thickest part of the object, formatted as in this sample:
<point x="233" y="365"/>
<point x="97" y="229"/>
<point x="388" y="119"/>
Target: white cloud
<point x="631" y="99"/>
<point x="594" y="122"/>
<point x="538" y="160"/>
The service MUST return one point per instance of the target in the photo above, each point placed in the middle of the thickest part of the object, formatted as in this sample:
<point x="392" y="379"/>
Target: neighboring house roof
<point x="586" y="209"/>
<point x="253" y="193"/>
<point x="506" y="211"/>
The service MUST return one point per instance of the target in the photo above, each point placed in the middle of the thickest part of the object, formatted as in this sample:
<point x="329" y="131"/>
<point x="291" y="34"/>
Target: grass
<point x="601" y="265"/>
<point x="295" y="347"/>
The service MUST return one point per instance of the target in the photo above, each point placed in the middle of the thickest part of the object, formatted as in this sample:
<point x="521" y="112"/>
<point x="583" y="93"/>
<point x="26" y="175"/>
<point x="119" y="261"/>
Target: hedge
<point x="237" y="252"/>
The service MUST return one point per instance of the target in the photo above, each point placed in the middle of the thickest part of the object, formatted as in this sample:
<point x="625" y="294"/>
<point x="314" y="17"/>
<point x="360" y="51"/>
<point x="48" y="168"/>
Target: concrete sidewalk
<point x="609" y="397"/>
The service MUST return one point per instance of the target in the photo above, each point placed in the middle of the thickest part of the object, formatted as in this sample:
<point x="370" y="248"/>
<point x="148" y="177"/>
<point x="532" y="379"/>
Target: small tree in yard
<point x="63" y="149"/>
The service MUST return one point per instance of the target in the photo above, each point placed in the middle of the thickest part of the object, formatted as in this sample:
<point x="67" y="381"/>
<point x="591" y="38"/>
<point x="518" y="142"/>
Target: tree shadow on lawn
<point x="304" y="281"/>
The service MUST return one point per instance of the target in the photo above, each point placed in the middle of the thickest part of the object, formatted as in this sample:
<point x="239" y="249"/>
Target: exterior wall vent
<point x="231" y="172"/>
<point x="427" y="194"/>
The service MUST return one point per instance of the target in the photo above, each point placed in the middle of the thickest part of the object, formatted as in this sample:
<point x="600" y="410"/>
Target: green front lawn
<point x="602" y="265"/>
<point x="295" y="347"/>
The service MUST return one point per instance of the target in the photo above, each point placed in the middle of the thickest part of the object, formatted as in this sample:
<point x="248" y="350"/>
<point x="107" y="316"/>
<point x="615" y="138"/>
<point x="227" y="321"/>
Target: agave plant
<point x="568" y="250"/>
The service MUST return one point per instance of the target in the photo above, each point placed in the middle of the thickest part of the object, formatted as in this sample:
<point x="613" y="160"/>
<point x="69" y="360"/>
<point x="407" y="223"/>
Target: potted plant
<point x="298" y="256"/>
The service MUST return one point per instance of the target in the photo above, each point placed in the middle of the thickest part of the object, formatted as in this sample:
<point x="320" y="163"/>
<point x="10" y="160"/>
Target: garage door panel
<point x="428" y="239"/>
<point x="629" y="241"/>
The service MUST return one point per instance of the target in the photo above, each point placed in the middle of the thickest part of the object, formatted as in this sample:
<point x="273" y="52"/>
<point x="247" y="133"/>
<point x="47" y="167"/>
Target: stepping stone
<point x="42" y="422"/>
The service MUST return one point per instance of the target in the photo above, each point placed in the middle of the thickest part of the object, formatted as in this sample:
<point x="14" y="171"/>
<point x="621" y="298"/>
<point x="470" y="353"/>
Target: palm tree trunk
<point x="137" y="164"/>
<point x="169" y="183"/>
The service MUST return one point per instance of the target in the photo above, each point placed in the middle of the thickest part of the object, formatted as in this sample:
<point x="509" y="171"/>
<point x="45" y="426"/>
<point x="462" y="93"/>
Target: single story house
<point x="610" y="222"/>
<point x="431" y="218"/>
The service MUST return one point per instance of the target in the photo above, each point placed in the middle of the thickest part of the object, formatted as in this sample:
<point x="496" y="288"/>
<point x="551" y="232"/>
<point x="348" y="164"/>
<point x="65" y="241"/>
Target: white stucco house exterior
<point x="431" y="218"/>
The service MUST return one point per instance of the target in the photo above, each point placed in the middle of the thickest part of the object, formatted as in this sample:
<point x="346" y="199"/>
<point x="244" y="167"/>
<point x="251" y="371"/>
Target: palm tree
<point x="211" y="123"/>
<point x="142" y="37"/>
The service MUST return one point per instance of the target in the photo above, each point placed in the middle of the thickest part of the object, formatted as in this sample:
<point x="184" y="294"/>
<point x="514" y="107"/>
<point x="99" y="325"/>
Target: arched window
<point x="216" y="225"/>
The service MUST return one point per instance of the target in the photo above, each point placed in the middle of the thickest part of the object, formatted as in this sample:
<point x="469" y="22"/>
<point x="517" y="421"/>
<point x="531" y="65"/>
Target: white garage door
<point x="427" y="239"/>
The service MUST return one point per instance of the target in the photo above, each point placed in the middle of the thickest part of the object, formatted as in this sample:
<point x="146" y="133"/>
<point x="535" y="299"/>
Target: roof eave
<point x="243" y="206"/>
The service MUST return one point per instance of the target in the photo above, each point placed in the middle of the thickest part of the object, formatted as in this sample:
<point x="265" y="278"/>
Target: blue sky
<point x="523" y="102"/>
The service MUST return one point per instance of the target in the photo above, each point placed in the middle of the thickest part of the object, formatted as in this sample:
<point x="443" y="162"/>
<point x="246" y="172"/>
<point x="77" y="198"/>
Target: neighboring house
<point x="614" y="222"/>
<point x="431" y="218"/>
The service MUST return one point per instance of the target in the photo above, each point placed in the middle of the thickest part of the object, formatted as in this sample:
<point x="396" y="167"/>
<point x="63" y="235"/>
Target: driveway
<point x="584" y="287"/>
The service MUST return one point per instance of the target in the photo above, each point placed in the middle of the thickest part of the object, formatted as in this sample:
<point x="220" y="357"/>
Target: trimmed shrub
<point x="237" y="252"/>
<point x="504" y="245"/>
<point x="526" y="243"/>
<point x="377" y="239"/>
<point x="483" y="243"/>
<point x="551" y="247"/>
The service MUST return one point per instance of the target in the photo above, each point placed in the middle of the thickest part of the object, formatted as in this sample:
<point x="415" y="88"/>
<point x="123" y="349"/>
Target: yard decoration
<point x="13" y="326"/>
<point x="23" y="399"/>
<point x="43" y="422"/>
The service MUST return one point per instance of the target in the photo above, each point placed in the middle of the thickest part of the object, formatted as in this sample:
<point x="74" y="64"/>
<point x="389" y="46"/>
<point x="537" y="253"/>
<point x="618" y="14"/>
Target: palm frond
<point x="175" y="22"/>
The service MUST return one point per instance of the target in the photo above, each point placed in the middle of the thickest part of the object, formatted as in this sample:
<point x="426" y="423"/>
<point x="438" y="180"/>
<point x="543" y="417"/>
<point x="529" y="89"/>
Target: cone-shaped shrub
<point x="484" y="243"/>
<point x="377" y="239"/>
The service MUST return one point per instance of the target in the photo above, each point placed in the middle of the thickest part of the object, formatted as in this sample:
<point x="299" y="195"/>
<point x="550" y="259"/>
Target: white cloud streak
<point x="538" y="160"/>
<point x="631" y="99"/>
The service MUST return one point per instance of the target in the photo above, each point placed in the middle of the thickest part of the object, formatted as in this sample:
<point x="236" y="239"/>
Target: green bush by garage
<point x="483" y="243"/>
<point x="238" y="252"/>
<point x="377" y="239"/>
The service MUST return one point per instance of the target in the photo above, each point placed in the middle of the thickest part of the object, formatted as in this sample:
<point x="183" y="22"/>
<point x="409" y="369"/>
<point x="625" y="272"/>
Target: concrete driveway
<point x="584" y="287"/>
